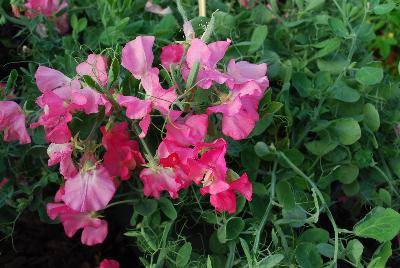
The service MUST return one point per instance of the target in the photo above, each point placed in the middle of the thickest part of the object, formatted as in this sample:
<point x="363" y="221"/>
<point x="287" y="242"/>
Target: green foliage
<point x="323" y="151"/>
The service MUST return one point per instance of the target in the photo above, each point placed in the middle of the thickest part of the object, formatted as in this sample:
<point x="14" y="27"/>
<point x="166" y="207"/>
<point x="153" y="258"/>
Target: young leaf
<point x="183" y="256"/>
<point x="271" y="261"/>
<point x="307" y="256"/>
<point x="354" y="251"/>
<point x="167" y="208"/>
<point x="381" y="256"/>
<point x="258" y="37"/>
<point x="346" y="174"/>
<point x="338" y="27"/>
<point x="347" y="130"/>
<point x="285" y="195"/>
<point x="379" y="224"/>
<point x="371" y="117"/>
<point x="369" y="75"/>
<point x="146" y="207"/>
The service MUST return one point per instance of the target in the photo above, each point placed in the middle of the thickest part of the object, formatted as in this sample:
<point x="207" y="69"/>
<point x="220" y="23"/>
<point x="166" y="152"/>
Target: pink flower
<point x="137" y="56"/>
<point x="96" y="67"/>
<point x="225" y="200"/>
<point x="94" y="229"/>
<point x="242" y="72"/>
<point x="188" y="31"/>
<point x="161" y="98"/>
<point x="3" y="182"/>
<point x="90" y="190"/>
<point x="207" y="56"/>
<point x="210" y="168"/>
<point x="49" y="8"/>
<point x="171" y="54"/>
<point x="158" y="179"/>
<point x="12" y="122"/>
<point x="239" y="109"/>
<point x="61" y="154"/>
<point x="122" y="154"/>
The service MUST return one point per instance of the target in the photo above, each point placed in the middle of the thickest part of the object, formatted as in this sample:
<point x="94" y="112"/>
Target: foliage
<point x="324" y="158"/>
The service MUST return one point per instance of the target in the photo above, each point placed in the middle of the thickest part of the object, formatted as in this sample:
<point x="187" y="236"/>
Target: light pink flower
<point x="207" y="56"/>
<point x="122" y="154"/>
<point x="94" y="230"/>
<point x="96" y="67"/>
<point x="61" y="154"/>
<point x="188" y="131"/>
<point x="188" y="31"/>
<point x="239" y="109"/>
<point x="226" y="200"/>
<point x="137" y="56"/>
<point x="156" y="9"/>
<point x="242" y="72"/>
<point x="90" y="190"/>
<point x="12" y="122"/>
<point x="171" y="54"/>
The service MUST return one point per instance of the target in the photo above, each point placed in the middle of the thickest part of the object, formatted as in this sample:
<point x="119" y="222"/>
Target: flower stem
<point x="321" y="197"/>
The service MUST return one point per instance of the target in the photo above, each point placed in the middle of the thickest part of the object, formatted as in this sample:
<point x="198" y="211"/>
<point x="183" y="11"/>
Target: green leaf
<point x="371" y="117"/>
<point x="11" y="81"/>
<point x="338" y="27"/>
<point x="230" y="230"/>
<point x="193" y="75"/>
<point x="302" y="84"/>
<point x="113" y="72"/>
<point x="258" y="37"/>
<point x="312" y="4"/>
<point x="354" y="251"/>
<point x="307" y="256"/>
<point x="261" y="14"/>
<point x="385" y="196"/>
<point x="321" y="147"/>
<point x="74" y="22"/>
<point x="369" y="75"/>
<point x="167" y="27"/>
<point x="183" y="256"/>
<point x="379" y="224"/>
<point x="381" y="256"/>
<point x="351" y="189"/>
<point x="167" y="208"/>
<point x="146" y="207"/>
<point x="341" y="91"/>
<point x="384" y="8"/>
<point x="328" y="46"/>
<point x="81" y="24"/>
<point x="270" y="261"/>
<point x="285" y="195"/>
<point x="347" y="130"/>
<point x="346" y="174"/>
<point x="315" y="236"/>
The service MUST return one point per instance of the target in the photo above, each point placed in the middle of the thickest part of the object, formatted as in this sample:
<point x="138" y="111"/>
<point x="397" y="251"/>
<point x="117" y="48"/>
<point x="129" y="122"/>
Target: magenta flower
<point x="171" y="54"/>
<point x="157" y="179"/>
<point x="94" y="229"/>
<point x="12" y="122"/>
<point x="106" y="263"/>
<point x="122" y="154"/>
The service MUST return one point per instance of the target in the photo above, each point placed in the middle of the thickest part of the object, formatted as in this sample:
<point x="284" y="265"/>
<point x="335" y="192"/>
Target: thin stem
<point x="143" y="142"/>
<point x="260" y="227"/>
<point x="121" y="202"/>
<point x="321" y="197"/>
<point x="387" y="179"/>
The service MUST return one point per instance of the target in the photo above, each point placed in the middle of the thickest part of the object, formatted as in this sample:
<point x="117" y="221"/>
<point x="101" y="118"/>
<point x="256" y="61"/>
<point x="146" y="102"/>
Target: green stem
<point x="260" y="228"/>
<point x="144" y="144"/>
<point x="121" y="202"/>
<point x="387" y="180"/>
<point x="321" y="197"/>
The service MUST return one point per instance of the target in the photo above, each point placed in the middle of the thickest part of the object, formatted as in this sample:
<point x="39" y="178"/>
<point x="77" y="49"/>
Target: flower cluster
<point x="187" y="154"/>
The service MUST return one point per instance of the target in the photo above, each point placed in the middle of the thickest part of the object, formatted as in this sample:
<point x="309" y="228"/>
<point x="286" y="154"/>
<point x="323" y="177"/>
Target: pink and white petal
<point x="89" y="190"/>
<point x="198" y="52"/>
<point x="48" y="79"/>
